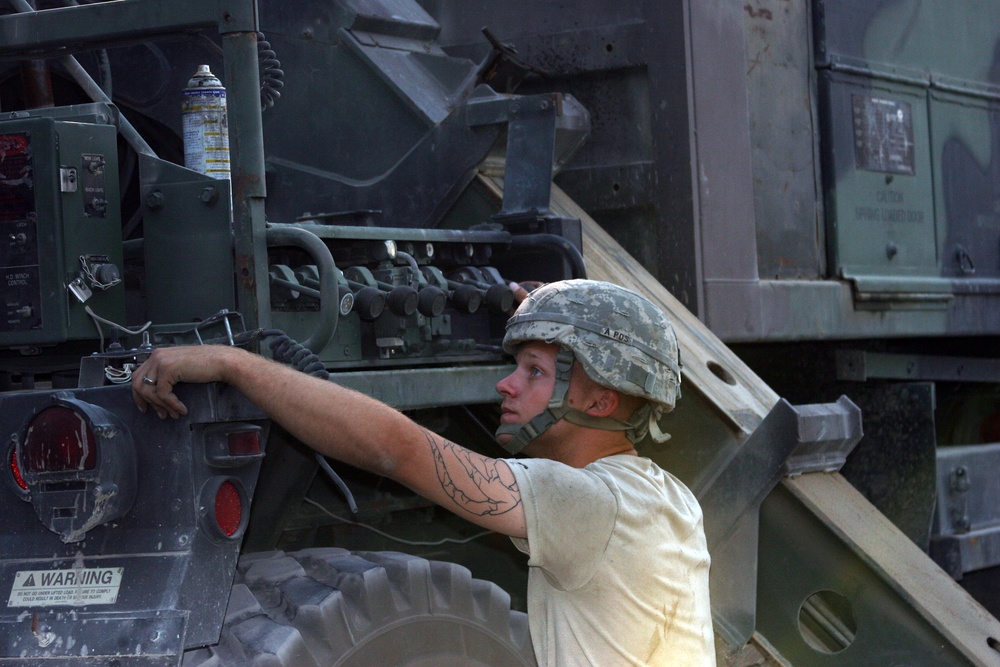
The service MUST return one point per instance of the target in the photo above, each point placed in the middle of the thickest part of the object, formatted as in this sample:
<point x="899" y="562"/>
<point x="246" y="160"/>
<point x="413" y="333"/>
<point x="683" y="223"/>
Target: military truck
<point x="797" y="176"/>
<point x="818" y="182"/>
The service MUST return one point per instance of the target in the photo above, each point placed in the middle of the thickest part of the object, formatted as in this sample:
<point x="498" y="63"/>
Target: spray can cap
<point x="203" y="78"/>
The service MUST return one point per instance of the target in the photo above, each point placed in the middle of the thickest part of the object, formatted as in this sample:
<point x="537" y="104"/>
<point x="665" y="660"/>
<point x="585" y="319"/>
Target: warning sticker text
<point x="76" y="587"/>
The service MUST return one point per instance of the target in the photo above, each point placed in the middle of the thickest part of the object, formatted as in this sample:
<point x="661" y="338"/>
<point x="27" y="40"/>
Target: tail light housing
<point x="59" y="439"/>
<point x="224" y="504"/>
<point x="233" y="445"/>
<point x="76" y="462"/>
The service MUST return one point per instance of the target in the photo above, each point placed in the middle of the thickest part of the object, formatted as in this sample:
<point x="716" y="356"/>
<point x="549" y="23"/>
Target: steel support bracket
<point x="861" y="366"/>
<point x="541" y="129"/>
<point x="967" y="514"/>
<point x="732" y="500"/>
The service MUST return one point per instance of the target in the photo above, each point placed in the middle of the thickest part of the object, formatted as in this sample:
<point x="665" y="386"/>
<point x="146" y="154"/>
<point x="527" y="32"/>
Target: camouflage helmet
<point x="621" y="339"/>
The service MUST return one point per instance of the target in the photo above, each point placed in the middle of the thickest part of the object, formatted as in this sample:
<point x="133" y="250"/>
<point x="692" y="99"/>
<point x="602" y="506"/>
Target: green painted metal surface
<point x="59" y="220"/>
<point x="909" y="96"/>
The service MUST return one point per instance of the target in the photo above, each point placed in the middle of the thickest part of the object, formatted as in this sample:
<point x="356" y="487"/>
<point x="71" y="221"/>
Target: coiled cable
<point x="295" y="354"/>
<point x="271" y="74"/>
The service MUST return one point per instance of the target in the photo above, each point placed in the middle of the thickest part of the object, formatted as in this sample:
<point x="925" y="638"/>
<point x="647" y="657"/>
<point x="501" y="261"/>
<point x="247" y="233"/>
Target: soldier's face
<point x="527" y="390"/>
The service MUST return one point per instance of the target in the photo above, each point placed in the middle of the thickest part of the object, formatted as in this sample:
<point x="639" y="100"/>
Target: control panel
<point x="60" y="230"/>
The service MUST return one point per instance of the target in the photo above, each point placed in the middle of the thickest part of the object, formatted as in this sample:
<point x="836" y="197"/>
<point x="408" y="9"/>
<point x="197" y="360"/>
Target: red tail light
<point x="79" y="464"/>
<point x="58" y="440"/>
<point x="233" y="444"/>
<point x="15" y="470"/>
<point x="244" y="443"/>
<point x="224" y="505"/>
<point x="228" y="509"/>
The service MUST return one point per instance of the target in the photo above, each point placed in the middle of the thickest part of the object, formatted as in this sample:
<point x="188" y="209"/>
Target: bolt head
<point x="155" y="199"/>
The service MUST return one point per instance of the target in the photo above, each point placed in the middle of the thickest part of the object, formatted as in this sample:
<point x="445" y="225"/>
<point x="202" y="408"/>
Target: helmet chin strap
<point x="520" y="434"/>
<point x="643" y="421"/>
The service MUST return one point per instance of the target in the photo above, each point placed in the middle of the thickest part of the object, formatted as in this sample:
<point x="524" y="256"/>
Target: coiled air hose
<point x="271" y="74"/>
<point x="298" y="356"/>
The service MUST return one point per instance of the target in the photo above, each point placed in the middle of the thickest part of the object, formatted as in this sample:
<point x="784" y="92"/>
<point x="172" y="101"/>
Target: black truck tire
<point x="332" y="607"/>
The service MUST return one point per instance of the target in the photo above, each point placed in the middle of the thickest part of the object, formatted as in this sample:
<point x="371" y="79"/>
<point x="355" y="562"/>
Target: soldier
<point x="618" y="565"/>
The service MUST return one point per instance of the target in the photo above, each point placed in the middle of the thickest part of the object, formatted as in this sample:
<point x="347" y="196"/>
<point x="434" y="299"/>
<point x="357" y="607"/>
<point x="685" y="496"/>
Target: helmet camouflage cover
<point x="620" y="338"/>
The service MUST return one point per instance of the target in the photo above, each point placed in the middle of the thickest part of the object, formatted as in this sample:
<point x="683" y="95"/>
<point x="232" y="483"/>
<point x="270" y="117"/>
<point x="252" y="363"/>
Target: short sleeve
<point x="570" y="515"/>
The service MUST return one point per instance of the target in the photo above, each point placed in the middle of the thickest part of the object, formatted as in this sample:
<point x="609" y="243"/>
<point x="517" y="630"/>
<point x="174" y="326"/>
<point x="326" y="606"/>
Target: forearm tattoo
<point x="474" y="482"/>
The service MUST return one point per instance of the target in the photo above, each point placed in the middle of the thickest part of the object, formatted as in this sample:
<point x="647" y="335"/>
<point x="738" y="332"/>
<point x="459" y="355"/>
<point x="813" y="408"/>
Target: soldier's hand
<point x="153" y="382"/>
<point x="521" y="291"/>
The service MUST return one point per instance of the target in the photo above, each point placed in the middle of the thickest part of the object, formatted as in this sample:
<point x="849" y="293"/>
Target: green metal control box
<point x="60" y="230"/>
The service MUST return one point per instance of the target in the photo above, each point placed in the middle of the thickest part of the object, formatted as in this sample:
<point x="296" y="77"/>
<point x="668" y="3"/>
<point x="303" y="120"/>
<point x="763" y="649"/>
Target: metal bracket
<point x="542" y="129"/>
<point x="967" y="521"/>
<point x="827" y="434"/>
<point x="68" y="181"/>
<point x="732" y="499"/>
<point x="531" y="137"/>
<point x="861" y="366"/>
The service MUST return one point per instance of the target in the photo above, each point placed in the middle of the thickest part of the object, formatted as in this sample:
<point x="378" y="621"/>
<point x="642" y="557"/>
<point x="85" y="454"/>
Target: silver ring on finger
<point x="148" y="380"/>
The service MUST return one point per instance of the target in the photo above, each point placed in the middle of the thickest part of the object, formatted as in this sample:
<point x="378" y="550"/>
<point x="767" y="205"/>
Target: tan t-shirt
<point x="618" y="565"/>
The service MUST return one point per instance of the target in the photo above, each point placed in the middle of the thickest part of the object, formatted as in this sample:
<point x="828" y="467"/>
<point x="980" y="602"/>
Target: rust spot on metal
<point x="246" y="271"/>
<point x="758" y="13"/>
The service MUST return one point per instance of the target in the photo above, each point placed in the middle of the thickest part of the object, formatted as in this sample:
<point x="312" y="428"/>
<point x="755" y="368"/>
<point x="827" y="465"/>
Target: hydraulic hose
<point x="329" y="295"/>
<point x="299" y="357"/>
<point x="569" y="251"/>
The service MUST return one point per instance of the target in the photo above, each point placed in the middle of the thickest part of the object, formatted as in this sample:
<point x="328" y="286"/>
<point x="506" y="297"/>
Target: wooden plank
<point x="900" y="564"/>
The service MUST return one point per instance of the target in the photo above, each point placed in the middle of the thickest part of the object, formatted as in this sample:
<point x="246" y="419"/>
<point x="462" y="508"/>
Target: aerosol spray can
<point x="206" y="130"/>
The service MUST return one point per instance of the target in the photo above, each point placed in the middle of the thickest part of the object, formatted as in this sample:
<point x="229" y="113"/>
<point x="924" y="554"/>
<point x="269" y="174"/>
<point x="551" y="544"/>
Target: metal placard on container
<point x="878" y="185"/>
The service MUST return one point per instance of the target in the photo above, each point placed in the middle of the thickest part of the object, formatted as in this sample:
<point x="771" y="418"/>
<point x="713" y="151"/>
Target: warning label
<point x="77" y="587"/>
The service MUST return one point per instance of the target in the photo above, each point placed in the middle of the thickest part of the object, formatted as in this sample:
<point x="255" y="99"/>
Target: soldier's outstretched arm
<point x="345" y="425"/>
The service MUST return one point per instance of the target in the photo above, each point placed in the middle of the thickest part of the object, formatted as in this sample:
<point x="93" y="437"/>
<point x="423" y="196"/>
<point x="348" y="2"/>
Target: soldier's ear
<point x="604" y="403"/>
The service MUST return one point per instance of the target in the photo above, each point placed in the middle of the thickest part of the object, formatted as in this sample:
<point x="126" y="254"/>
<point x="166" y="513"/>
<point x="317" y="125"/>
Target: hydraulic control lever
<point x="466" y="298"/>
<point x="496" y="292"/>
<point x="400" y="299"/>
<point x="369" y="302"/>
<point x="431" y="300"/>
<point x="308" y="275"/>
